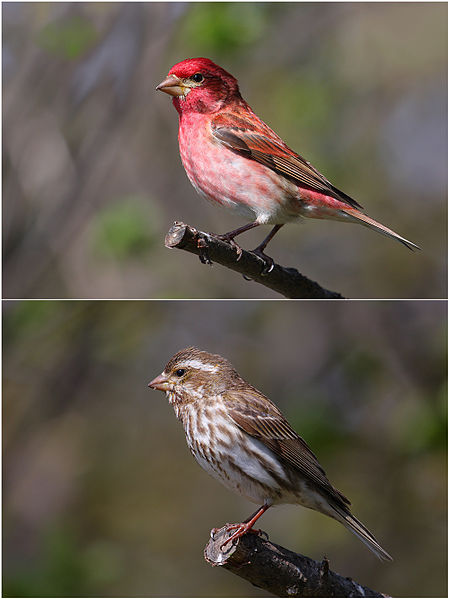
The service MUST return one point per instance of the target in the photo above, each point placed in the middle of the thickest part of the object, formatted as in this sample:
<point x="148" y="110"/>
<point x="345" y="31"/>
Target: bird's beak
<point x="160" y="383"/>
<point x="172" y="85"/>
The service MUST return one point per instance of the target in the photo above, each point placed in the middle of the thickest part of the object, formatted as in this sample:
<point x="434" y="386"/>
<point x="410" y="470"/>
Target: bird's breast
<point x="240" y="462"/>
<point x="231" y="180"/>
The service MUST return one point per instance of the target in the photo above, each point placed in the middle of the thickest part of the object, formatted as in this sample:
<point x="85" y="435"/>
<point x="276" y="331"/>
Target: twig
<point x="286" y="281"/>
<point x="279" y="570"/>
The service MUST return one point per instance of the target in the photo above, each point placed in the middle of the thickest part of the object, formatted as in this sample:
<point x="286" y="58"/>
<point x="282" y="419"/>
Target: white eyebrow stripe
<point x="201" y="365"/>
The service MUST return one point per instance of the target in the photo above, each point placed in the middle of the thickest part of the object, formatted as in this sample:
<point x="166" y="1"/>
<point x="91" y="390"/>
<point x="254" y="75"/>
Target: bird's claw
<point x="232" y="243"/>
<point x="268" y="262"/>
<point x="240" y="530"/>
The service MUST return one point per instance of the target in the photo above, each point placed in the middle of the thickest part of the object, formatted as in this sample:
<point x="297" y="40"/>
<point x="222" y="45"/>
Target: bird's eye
<point x="180" y="372"/>
<point x="197" y="78"/>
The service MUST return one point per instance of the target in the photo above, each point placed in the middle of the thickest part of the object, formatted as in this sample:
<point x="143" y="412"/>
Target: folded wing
<point x="258" y="142"/>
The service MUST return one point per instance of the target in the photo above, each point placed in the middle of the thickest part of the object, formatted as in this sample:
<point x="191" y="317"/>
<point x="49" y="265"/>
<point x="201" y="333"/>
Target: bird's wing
<point x="257" y="141"/>
<point x="260" y="418"/>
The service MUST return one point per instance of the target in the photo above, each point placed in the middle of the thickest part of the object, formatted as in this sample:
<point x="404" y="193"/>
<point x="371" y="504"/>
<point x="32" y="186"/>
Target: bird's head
<point x="199" y="85"/>
<point x="192" y="374"/>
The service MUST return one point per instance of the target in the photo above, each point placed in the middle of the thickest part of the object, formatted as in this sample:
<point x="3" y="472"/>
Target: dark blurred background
<point x="101" y="496"/>
<point x="92" y="178"/>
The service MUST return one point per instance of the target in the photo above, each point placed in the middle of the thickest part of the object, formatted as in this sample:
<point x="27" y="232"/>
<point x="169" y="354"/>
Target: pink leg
<point x="246" y="526"/>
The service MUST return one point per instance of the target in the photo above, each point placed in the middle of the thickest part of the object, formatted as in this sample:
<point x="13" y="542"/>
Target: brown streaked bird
<point x="241" y="438"/>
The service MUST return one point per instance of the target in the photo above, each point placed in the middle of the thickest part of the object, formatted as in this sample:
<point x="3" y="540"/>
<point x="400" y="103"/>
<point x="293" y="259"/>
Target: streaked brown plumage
<point x="241" y="438"/>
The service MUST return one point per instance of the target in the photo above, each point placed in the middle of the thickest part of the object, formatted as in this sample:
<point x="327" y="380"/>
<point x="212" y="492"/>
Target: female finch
<point x="241" y="438"/>
<point x="235" y="160"/>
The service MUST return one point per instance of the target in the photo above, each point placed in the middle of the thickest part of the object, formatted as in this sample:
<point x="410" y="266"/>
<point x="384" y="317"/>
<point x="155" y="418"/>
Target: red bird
<point x="235" y="160"/>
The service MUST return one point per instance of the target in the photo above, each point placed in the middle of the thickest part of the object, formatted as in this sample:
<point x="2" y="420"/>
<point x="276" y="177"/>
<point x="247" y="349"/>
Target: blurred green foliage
<point x="27" y="317"/>
<point x="123" y="230"/>
<point x="224" y="27"/>
<point x="59" y="571"/>
<point x="65" y="567"/>
<point x="308" y="93"/>
<point x="320" y="427"/>
<point x="69" y="37"/>
<point x="424" y="424"/>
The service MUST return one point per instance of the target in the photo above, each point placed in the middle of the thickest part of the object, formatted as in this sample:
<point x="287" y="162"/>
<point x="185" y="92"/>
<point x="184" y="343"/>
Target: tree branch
<point x="278" y="570"/>
<point x="286" y="281"/>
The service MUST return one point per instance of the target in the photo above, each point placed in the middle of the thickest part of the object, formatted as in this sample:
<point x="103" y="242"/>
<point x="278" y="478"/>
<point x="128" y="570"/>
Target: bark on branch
<point x="286" y="281"/>
<point x="279" y="570"/>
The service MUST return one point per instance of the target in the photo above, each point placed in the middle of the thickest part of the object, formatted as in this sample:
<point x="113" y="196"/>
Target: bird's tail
<point x="356" y="527"/>
<point x="363" y="219"/>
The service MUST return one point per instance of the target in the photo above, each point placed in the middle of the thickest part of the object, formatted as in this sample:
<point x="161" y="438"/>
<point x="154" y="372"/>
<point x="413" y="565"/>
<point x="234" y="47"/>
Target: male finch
<point x="235" y="160"/>
<point x="241" y="438"/>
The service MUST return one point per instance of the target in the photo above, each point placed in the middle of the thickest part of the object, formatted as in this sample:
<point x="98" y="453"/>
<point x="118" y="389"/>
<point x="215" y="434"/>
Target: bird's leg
<point x="229" y="237"/>
<point x="259" y="251"/>
<point x="246" y="526"/>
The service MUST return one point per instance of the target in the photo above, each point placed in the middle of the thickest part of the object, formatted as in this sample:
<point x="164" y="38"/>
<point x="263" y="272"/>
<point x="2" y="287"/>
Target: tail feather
<point x="363" y="219"/>
<point x="356" y="527"/>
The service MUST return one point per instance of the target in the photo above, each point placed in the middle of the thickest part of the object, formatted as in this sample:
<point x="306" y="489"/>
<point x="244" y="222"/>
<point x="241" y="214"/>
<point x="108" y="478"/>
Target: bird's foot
<point x="240" y="530"/>
<point x="230" y="239"/>
<point x="267" y="261"/>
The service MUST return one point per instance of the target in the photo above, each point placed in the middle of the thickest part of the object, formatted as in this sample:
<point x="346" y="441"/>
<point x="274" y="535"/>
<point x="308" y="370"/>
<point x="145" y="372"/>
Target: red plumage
<point x="235" y="160"/>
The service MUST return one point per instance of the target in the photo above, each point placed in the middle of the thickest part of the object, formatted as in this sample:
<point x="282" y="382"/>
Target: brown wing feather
<point x="264" y="146"/>
<point x="260" y="418"/>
